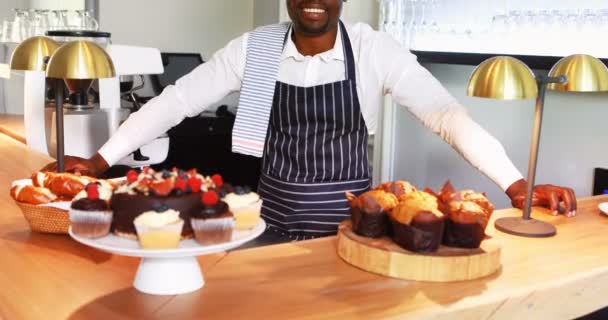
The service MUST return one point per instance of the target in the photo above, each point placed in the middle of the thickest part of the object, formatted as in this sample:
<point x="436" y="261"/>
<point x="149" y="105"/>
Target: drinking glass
<point x="87" y="22"/>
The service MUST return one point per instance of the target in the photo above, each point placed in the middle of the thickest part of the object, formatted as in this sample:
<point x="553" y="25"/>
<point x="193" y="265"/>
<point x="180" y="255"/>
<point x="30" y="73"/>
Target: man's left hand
<point x="546" y="195"/>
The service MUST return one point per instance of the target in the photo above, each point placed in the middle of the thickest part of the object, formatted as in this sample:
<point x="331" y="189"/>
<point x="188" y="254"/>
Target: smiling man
<point x="310" y="95"/>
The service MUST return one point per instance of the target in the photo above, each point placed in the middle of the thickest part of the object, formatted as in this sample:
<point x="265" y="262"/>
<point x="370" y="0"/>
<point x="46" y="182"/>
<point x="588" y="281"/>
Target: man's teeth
<point x="313" y="10"/>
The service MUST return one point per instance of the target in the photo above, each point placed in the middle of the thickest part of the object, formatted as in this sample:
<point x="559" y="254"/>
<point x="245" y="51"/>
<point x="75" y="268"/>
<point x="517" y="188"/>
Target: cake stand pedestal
<point x="171" y="271"/>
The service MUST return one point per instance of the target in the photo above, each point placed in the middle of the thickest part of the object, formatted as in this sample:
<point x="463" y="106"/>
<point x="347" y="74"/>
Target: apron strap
<point x="349" y="58"/>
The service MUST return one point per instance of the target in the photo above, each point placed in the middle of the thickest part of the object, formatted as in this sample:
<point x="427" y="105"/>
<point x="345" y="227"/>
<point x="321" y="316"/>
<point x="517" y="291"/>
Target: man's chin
<point x="314" y="28"/>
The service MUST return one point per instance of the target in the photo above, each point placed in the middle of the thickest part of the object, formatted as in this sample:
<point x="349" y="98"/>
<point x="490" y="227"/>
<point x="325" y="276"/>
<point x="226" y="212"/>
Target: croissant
<point x="62" y="184"/>
<point x="32" y="195"/>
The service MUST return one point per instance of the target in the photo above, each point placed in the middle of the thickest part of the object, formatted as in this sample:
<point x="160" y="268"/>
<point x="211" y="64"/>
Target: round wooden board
<point x="384" y="257"/>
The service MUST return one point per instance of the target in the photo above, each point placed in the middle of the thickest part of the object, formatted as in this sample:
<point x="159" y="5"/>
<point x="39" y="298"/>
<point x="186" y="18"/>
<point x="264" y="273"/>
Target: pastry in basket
<point x="90" y="214"/>
<point x="246" y="206"/>
<point x="143" y="191"/>
<point x="468" y="213"/>
<point x="32" y="195"/>
<point x="369" y="212"/>
<point x="398" y="188"/>
<point x="159" y="229"/>
<point x="417" y="222"/>
<point x="214" y="223"/>
<point x="64" y="185"/>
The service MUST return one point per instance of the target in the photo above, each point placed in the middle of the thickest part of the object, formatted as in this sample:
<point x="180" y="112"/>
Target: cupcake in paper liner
<point x="159" y="229"/>
<point x="369" y="212"/>
<point x="214" y="223"/>
<point x="246" y="206"/>
<point x="90" y="214"/>
<point x="417" y="222"/>
<point x="468" y="213"/>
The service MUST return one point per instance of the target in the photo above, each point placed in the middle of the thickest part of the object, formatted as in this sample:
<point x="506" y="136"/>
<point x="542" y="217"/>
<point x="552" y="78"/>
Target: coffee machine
<point x="93" y="111"/>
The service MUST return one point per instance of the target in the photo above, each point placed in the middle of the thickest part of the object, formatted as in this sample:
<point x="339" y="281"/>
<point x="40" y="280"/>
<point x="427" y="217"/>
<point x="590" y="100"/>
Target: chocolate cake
<point x="369" y="212"/>
<point x="417" y="223"/>
<point x="177" y="189"/>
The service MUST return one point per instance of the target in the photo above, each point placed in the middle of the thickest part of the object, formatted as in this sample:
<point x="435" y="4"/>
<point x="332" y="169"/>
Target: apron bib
<point x="315" y="151"/>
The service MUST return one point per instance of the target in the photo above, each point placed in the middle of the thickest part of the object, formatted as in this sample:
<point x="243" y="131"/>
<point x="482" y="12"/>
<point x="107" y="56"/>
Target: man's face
<point x="314" y="16"/>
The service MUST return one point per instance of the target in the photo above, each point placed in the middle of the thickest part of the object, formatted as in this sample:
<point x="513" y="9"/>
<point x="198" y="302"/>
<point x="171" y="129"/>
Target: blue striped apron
<point x="315" y="151"/>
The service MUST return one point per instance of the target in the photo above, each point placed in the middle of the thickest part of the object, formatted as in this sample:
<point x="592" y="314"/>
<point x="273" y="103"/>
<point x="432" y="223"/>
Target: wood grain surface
<point x="53" y="277"/>
<point x="12" y="126"/>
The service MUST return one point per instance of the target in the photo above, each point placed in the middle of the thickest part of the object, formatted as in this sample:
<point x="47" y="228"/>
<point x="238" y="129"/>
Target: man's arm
<point x="204" y="86"/>
<point x="413" y="86"/>
<point x="192" y="94"/>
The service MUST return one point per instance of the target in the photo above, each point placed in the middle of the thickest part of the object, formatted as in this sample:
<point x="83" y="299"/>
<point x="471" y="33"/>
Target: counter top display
<point x="54" y="277"/>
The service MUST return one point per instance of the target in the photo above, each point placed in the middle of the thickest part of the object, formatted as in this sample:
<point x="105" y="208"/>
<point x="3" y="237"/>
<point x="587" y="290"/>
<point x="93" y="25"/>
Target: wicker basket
<point x="45" y="219"/>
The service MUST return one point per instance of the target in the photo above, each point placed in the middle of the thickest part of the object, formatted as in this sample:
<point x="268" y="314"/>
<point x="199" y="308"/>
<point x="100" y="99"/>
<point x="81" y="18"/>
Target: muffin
<point x="468" y="213"/>
<point x="369" y="212"/>
<point x="214" y="223"/>
<point x="159" y="229"/>
<point x="398" y="188"/>
<point x="90" y="214"/>
<point x="417" y="222"/>
<point x="246" y="207"/>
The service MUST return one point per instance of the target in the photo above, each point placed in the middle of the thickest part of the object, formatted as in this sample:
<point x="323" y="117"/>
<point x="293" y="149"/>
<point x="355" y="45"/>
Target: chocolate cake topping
<point x="86" y="204"/>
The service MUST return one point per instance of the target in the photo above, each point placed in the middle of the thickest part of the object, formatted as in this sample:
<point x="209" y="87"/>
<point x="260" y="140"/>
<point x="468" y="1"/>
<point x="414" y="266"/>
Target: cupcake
<point x="246" y="207"/>
<point x="369" y="212"/>
<point x="417" y="222"/>
<point x="90" y="214"/>
<point x="214" y="223"/>
<point x="468" y="213"/>
<point x="159" y="229"/>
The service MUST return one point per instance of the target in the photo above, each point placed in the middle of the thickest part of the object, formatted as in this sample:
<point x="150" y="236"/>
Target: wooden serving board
<point x="384" y="257"/>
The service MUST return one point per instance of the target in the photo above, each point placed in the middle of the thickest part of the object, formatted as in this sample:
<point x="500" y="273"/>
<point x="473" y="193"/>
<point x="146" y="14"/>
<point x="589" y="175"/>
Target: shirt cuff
<point x="115" y="149"/>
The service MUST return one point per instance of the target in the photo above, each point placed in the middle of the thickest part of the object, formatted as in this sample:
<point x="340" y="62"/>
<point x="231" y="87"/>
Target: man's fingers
<point x="553" y="203"/>
<point x="573" y="203"/>
<point x="50" y="167"/>
<point x="567" y="198"/>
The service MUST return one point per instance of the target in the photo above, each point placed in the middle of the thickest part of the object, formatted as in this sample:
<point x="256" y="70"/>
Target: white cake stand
<point x="172" y="271"/>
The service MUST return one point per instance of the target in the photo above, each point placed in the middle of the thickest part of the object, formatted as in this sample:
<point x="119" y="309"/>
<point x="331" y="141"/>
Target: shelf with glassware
<point x="537" y="32"/>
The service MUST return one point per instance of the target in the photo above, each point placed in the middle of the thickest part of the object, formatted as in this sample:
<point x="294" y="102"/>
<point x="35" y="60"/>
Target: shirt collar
<point x="291" y="51"/>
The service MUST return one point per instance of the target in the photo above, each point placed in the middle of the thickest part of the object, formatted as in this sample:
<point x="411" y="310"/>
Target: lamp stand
<point x="59" y="122"/>
<point x="526" y="226"/>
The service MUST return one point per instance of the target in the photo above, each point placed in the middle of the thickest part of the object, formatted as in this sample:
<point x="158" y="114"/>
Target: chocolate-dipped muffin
<point x="468" y="213"/>
<point x="90" y="214"/>
<point x="417" y="222"/>
<point x="369" y="212"/>
<point x="214" y="223"/>
<point x="398" y="188"/>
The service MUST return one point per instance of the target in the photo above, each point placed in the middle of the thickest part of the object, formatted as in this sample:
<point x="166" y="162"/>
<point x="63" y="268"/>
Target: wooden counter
<point x="53" y="277"/>
<point x="12" y="126"/>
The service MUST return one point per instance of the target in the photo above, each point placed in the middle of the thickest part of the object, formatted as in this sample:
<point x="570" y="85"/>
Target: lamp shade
<point x="80" y="60"/>
<point x="584" y="72"/>
<point x="504" y="78"/>
<point x="30" y="54"/>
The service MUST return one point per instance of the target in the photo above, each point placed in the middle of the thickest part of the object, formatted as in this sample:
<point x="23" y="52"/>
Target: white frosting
<point x="236" y="201"/>
<point x="154" y="219"/>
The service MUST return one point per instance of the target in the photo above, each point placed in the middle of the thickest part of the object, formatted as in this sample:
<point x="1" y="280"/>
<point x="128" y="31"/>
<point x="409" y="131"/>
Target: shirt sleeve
<point x="192" y="94"/>
<point x="413" y="86"/>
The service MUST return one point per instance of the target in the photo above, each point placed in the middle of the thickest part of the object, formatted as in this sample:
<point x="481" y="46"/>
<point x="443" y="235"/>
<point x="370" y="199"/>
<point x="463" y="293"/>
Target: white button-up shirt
<point x="383" y="67"/>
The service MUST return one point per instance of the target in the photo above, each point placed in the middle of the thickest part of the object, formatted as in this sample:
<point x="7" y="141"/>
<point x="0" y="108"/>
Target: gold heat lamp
<point x="77" y="63"/>
<point x="507" y="78"/>
<point x="33" y="53"/>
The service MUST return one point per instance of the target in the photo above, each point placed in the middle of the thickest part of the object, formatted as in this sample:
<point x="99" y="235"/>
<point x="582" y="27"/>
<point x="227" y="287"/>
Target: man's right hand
<point x="93" y="167"/>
